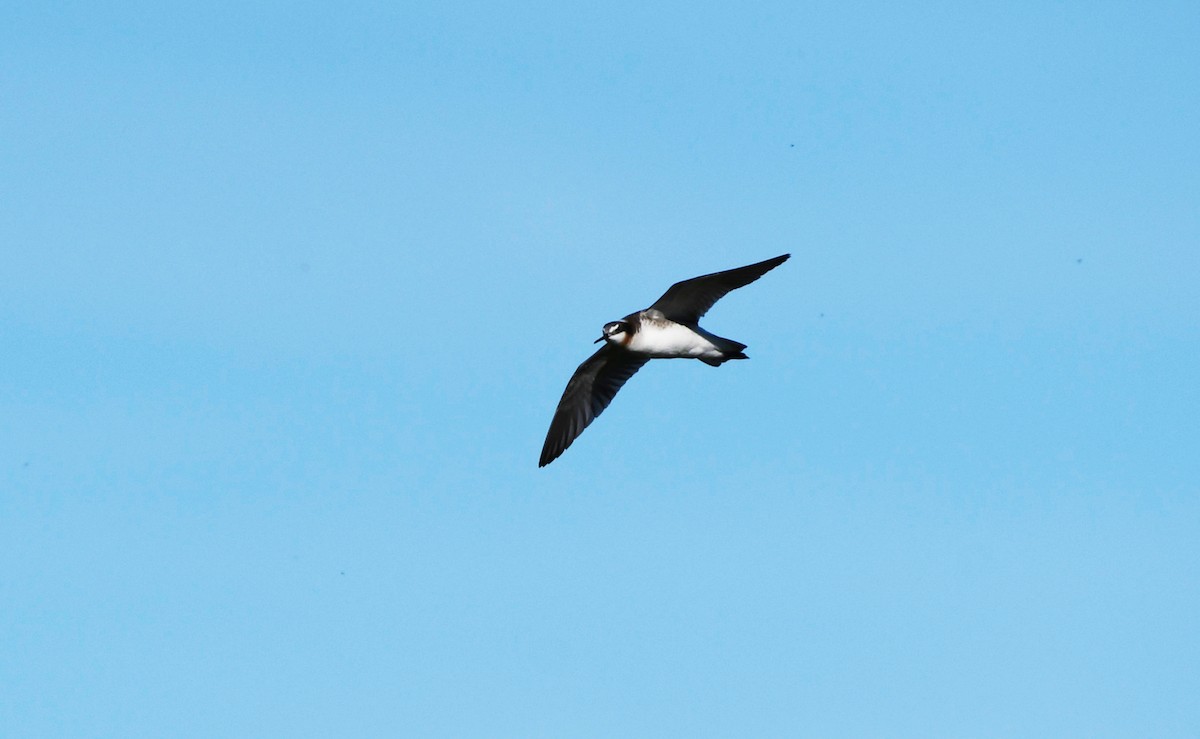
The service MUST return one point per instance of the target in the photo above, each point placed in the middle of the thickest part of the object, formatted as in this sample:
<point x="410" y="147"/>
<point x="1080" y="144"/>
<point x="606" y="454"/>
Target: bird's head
<point x="615" y="332"/>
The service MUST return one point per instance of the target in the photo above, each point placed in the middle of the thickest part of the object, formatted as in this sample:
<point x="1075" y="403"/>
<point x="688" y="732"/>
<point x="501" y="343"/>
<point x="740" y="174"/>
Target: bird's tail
<point x="730" y="349"/>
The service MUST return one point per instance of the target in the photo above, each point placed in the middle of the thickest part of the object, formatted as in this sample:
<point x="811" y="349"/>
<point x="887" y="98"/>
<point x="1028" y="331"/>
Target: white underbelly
<point x="665" y="340"/>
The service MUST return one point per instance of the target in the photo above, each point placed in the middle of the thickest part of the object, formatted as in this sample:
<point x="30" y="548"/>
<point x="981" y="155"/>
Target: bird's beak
<point x="597" y="341"/>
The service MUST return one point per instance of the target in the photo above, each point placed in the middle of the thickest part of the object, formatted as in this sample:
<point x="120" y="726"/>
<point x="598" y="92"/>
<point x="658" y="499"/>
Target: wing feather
<point x="685" y="302"/>
<point x="590" y="390"/>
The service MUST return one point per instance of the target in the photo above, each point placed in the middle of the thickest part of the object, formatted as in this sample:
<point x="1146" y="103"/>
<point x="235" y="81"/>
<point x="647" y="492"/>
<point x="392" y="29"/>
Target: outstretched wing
<point x="589" y="392"/>
<point x="686" y="301"/>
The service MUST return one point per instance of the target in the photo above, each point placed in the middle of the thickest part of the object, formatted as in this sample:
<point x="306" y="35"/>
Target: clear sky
<point x="288" y="293"/>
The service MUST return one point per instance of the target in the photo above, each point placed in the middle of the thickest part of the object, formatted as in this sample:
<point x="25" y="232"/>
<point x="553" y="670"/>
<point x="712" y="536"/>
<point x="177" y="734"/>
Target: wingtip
<point x="774" y="262"/>
<point x="767" y="265"/>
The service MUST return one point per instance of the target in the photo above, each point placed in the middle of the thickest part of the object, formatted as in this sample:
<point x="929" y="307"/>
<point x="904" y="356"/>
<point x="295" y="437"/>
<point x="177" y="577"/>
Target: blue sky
<point x="288" y="293"/>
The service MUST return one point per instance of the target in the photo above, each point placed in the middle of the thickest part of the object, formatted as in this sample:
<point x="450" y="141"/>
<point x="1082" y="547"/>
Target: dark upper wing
<point x="589" y="392"/>
<point x="686" y="301"/>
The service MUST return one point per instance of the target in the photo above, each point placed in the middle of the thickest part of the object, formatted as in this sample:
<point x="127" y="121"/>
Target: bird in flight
<point x="669" y="329"/>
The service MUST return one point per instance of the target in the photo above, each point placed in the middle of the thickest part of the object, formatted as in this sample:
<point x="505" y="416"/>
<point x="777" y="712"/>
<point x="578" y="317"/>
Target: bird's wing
<point x="589" y="392"/>
<point x="686" y="301"/>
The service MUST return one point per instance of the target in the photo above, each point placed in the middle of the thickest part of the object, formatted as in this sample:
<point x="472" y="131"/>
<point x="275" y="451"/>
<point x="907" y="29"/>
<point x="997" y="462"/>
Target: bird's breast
<point x="666" y="339"/>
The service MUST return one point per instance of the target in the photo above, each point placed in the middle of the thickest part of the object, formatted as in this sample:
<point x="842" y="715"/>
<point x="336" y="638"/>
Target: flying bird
<point x="669" y="329"/>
